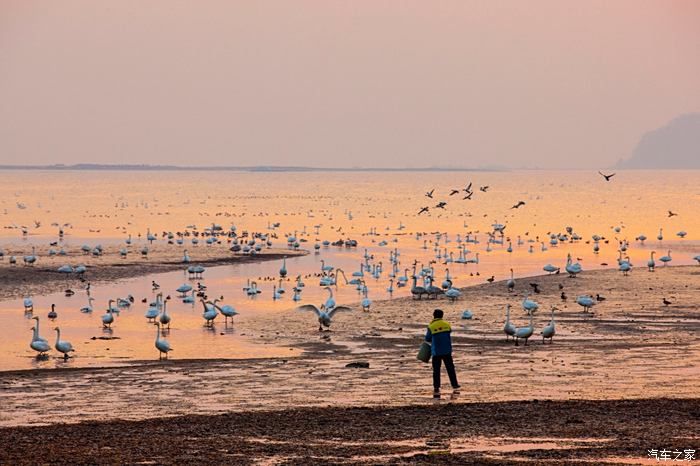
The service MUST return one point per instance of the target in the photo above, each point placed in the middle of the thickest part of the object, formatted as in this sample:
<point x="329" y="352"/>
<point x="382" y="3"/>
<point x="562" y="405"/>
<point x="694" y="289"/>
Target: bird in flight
<point x="441" y="205"/>
<point x="424" y="209"/>
<point x="468" y="188"/>
<point x="521" y="203"/>
<point x="430" y="193"/>
<point x="672" y="214"/>
<point x="468" y="196"/>
<point x="607" y="177"/>
<point x="454" y="191"/>
<point x="483" y="189"/>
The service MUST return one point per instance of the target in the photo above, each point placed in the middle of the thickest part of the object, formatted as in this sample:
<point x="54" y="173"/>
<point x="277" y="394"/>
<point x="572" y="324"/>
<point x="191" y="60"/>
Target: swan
<point x="209" y="312"/>
<point x="30" y="259"/>
<point x="586" y="302"/>
<point x="390" y="289"/>
<point x="154" y="309"/>
<point x="447" y="282"/>
<point x="36" y="330"/>
<point x="62" y="346"/>
<point x="660" y="236"/>
<point x="283" y="269"/>
<point x="108" y="318"/>
<point x="226" y="311"/>
<point x="366" y="302"/>
<point x="697" y="258"/>
<point x="452" y="293"/>
<point x="524" y="333"/>
<point x="164" y="318"/>
<point x="253" y="290"/>
<point x="572" y="269"/>
<point x="625" y="267"/>
<point x="28" y="304"/>
<point x="549" y="268"/>
<point x="508" y="327"/>
<point x="330" y="302"/>
<point x="467" y="314"/>
<point x="184" y="289"/>
<point x="550" y="329"/>
<point x="275" y="294"/>
<point x="511" y="282"/>
<point x="324" y="315"/>
<point x="651" y="264"/>
<point x="666" y="259"/>
<point x="41" y="346"/>
<point x="297" y="295"/>
<point x="185" y="257"/>
<point x="529" y="305"/>
<point x="162" y="346"/>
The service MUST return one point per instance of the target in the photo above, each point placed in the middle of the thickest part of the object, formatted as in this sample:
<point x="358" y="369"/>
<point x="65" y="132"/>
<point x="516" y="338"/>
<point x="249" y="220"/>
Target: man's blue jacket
<point x="438" y="335"/>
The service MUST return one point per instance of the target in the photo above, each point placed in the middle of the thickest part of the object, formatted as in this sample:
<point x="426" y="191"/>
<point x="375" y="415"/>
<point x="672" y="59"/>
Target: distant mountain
<point x="676" y="145"/>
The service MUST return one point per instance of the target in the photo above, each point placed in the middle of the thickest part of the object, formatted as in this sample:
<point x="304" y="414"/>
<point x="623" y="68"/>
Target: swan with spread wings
<point x="324" y="314"/>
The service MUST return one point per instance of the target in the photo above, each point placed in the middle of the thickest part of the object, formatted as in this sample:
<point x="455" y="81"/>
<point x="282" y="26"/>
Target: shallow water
<point x="104" y="207"/>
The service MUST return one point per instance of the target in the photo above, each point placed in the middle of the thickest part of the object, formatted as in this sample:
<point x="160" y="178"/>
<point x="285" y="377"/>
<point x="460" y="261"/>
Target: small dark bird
<point x="535" y="287"/>
<point x="561" y="287"/>
<point x="430" y="193"/>
<point x="468" y="197"/>
<point x="454" y="191"/>
<point x="144" y="300"/>
<point x="491" y="279"/>
<point x="666" y="302"/>
<point x="672" y="214"/>
<point x="563" y="296"/>
<point x="483" y="189"/>
<point x="607" y="177"/>
<point x="424" y="209"/>
<point x="519" y="204"/>
<point x="70" y="292"/>
<point x="468" y="189"/>
<point x="441" y="205"/>
<point x="599" y="298"/>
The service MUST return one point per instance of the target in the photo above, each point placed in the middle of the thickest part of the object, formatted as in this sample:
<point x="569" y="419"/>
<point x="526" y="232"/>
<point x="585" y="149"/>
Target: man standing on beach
<point x="439" y="335"/>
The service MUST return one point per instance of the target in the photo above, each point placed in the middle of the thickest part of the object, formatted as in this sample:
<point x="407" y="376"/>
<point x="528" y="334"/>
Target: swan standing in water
<point x="28" y="304"/>
<point x="38" y="344"/>
<point x="164" y="316"/>
<point x="666" y="259"/>
<point x="209" y="313"/>
<point x="162" y="345"/>
<point x="524" y="333"/>
<point x="651" y="264"/>
<point x="226" y="311"/>
<point x="36" y="330"/>
<point x="511" y="282"/>
<point x="108" y="318"/>
<point x="63" y="346"/>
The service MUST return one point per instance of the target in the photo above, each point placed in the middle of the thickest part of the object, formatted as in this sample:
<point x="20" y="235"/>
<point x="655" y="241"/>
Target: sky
<point x="549" y="84"/>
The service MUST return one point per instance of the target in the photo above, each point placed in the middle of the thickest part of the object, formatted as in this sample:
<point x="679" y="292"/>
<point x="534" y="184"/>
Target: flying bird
<point x="483" y="189"/>
<point x="424" y="209"/>
<point x="521" y="203"/>
<point x="468" y="197"/>
<point x="441" y="205"/>
<point x="468" y="189"/>
<point x="672" y="214"/>
<point x="454" y="191"/>
<point x="607" y="177"/>
<point x="430" y="193"/>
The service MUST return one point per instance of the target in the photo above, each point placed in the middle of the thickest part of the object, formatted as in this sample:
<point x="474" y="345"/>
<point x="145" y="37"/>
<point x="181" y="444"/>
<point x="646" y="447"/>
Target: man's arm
<point x="428" y="336"/>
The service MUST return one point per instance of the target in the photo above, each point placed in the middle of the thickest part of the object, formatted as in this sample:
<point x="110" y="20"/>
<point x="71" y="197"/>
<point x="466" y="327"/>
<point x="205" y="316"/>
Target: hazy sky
<point x="342" y="83"/>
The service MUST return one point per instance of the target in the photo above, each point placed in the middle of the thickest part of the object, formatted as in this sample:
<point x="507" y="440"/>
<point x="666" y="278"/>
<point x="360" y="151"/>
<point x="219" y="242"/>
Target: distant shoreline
<point x="267" y="169"/>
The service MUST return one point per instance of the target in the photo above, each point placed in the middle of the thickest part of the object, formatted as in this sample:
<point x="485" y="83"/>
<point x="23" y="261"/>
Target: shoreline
<point x="537" y="431"/>
<point x="19" y="281"/>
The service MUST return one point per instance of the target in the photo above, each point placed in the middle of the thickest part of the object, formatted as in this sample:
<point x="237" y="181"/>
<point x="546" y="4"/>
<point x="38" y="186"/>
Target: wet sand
<point x="633" y="362"/>
<point x="539" y="432"/>
<point x="43" y="278"/>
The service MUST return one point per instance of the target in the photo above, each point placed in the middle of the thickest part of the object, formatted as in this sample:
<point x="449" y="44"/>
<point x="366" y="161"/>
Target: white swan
<point x="108" y="318"/>
<point x="508" y="327"/>
<point x="571" y="268"/>
<point x="524" y="333"/>
<point x="209" y="313"/>
<point x="164" y="316"/>
<point x="283" y="269"/>
<point x="324" y="316"/>
<point x="529" y="305"/>
<point x="36" y="330"/>
<point x="587" y="302"/>
<point x="511" y="282"/>
<point x="62" y="346"/>
<point x="550" y="329"/>
<point x="666" y="259"/>
<point x="366" y="302"/>
<point x="549" y="268"/>
<point x="330" y="302"/>
<point x="41" y="346"/>
<point x="28" y="304"/>
<point x="162" y="346"/>
<point x="226" y="311"/>
<point x="651" y="264"/>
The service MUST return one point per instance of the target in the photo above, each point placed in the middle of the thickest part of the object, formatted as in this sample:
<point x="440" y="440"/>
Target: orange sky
<point x="328" y="83"/>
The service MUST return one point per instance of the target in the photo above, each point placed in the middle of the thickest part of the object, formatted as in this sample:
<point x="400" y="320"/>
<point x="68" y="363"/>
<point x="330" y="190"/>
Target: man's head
<point x="437" y="314"/>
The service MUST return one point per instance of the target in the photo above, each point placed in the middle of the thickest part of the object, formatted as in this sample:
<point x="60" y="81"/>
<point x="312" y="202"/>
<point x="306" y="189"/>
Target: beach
<point x="630" y="354"/>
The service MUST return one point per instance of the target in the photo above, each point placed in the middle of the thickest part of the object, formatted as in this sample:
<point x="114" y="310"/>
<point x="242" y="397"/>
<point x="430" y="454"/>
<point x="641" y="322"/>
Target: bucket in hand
<point x="424" y="352"/>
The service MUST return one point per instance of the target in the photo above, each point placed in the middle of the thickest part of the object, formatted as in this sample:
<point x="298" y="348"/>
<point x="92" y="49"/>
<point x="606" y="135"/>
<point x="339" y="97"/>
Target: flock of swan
<point x="420" y="280"/>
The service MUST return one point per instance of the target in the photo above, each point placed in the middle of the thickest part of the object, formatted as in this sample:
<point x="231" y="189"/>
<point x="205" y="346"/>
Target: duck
<point x="549" y="331"/>
<point x="63" y="346"/>
<point x="52" y="313"/>
<point x="162" y="345"/>
<point x="508" y="327"/>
